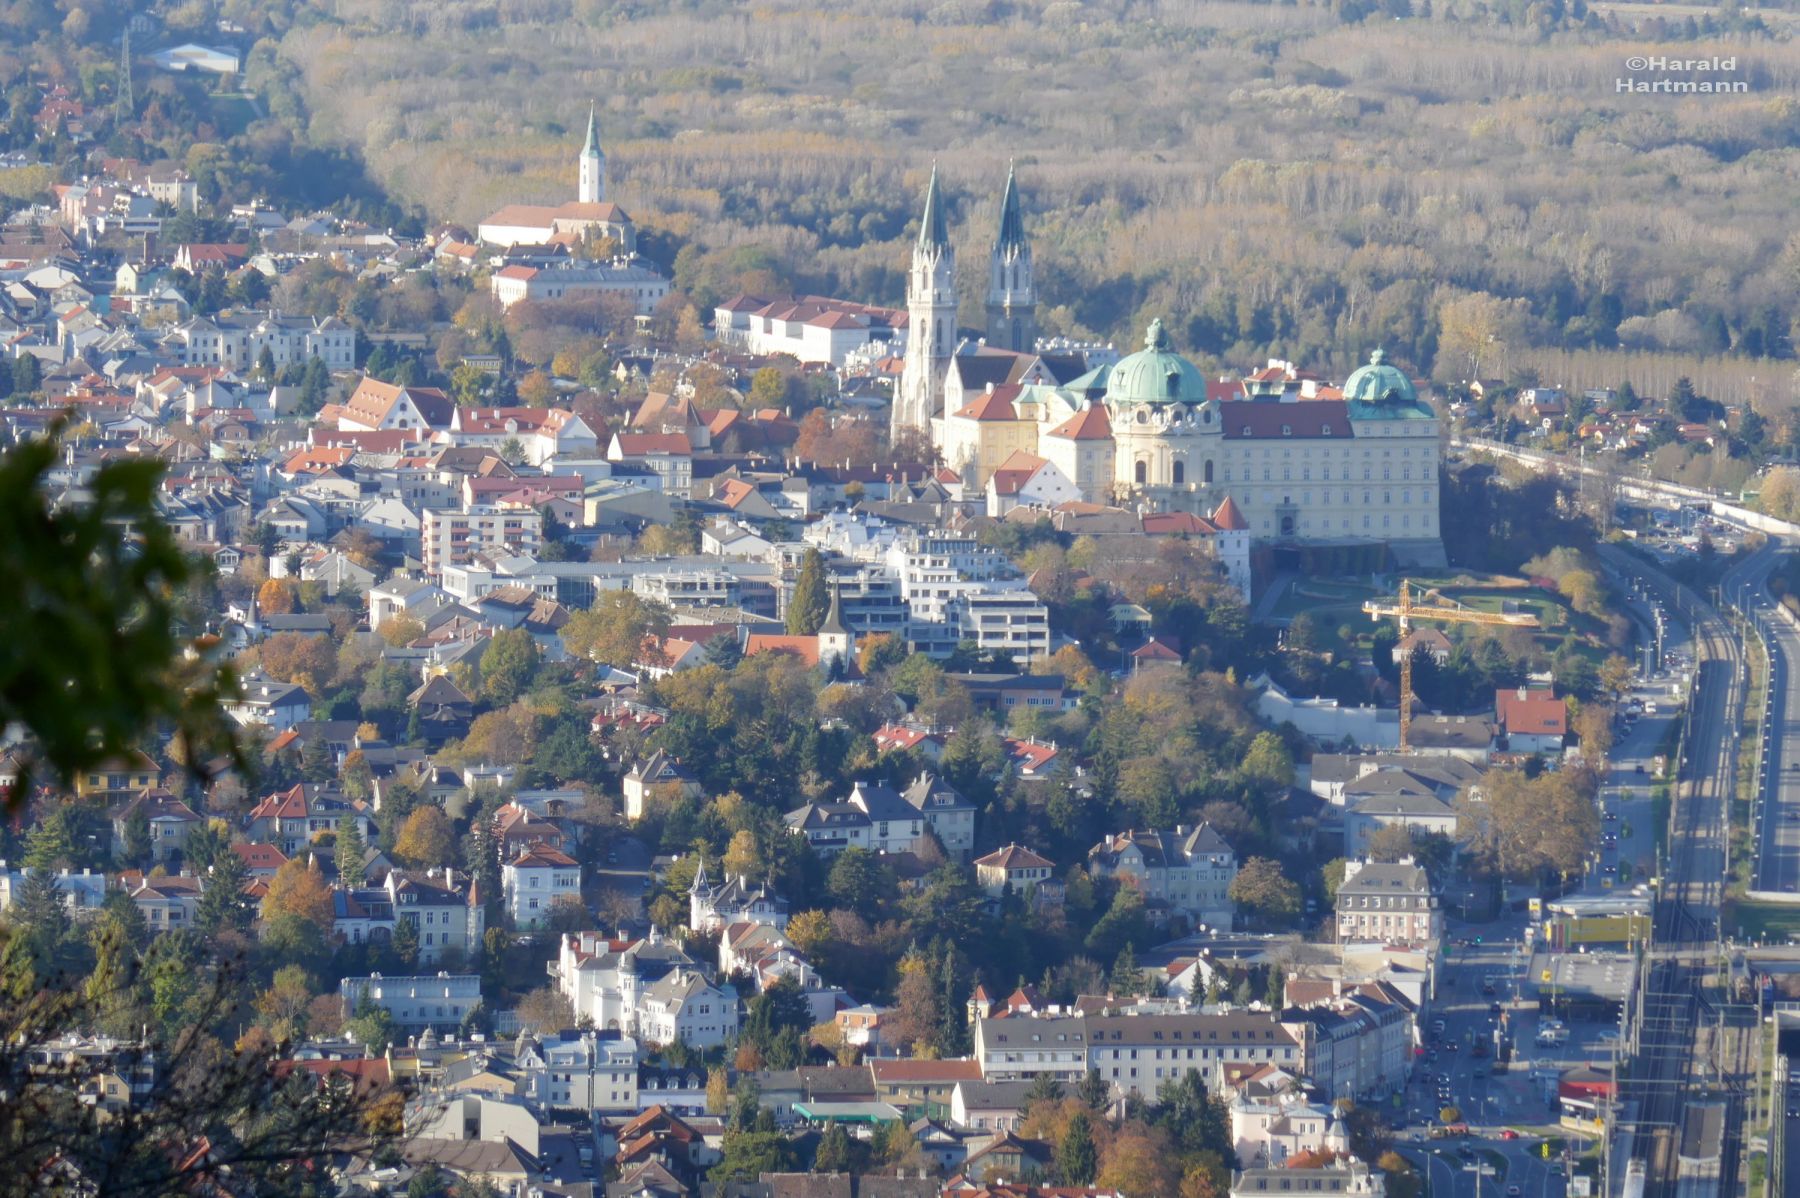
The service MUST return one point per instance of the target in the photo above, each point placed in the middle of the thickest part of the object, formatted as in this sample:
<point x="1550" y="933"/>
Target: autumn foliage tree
<point x="276" y="597"/>
<point x="299" y="891"/>
<point x="426" y="839"/>
<point x="306" y="661"/>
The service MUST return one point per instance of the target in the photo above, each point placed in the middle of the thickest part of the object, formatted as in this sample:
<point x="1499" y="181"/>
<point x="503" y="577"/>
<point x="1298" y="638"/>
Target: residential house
<point x="1020" y="870"/>
<point x="82" y="892"/>
<point x="291" y="819"/>
<point x="605" y="978"/>
<point x="1188" y="871"/>
<point x="167" y="824"/>
<point x="1387" y="904"/>
<point x="1424" y="814"/>
<point x="517" y="828"/>
<point x="1532" y="719"/>
<point x="1135" y="1053"/>
<point x="711" y="906"/>
<point x="997" y="1106"/>
<point x="119" y="778"/>
<point x="438" y="1001"/>
<point x="950" y="814"/>
<point x="1356" y="1044"/>
<point x="657" y="778"/>
<point x="1345" y="1177"/>
<point x="1026" y="480"/>
<point x="376" y="406"/>
<point x="167" y="903"/>
<point x="536" y="879"/>
<point x="908" y="1083"/>
<point x="683" y="1006"/>
<point x="446" y="913"/>
<point x="1269" y="1128"/>
<point x="268" y="702"/>
<point x="585" y="1071"/>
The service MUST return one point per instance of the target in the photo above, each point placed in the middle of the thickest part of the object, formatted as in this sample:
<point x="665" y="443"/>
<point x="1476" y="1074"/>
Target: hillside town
<point x="807" y="747"/>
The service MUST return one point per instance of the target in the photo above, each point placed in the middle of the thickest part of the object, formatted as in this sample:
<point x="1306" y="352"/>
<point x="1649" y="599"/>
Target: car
<point x="1513" y="1191"/>
<point x="1480" y="1072"/>
<point x="1493" y="1008"/>
<point x="1507" y="1133"/>
<point x="1464" y="1151"/>
<point x="1612" y="815"/>
<point x="1556" y="1168"/>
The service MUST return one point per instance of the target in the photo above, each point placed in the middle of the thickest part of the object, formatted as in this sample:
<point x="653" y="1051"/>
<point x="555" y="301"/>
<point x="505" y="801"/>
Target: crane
<point x="1435" y="607"/>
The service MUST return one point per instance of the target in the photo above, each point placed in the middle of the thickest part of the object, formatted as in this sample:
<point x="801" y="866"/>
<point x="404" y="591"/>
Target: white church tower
<point x="931" y="319"/>
<point x="593" y="166"/>
<point x="1012" y="296"/>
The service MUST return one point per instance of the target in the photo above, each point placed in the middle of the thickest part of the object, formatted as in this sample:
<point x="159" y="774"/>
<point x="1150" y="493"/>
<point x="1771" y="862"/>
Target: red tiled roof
<point x="993" y="405"/>
<point x="1229" y="518"/>
<point x="1015" y="856"/>
<point x="1010" y="476"/>
<point x="1529" y="712"/>
<point x="1175" y="524"/>
<point x="540" y="856"/>
<point x="1090" y="424"/>
<point x="806" y="648"/>
<point x="1310" y="419"/>
<point x="635" y="444"/>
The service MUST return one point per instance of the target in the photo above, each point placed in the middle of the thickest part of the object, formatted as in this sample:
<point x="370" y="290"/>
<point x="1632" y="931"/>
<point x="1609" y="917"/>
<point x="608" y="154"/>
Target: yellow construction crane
<point x="1436" y="607"/>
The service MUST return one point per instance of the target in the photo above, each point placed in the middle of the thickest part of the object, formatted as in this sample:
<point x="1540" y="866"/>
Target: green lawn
<point x="1777" y="921"/>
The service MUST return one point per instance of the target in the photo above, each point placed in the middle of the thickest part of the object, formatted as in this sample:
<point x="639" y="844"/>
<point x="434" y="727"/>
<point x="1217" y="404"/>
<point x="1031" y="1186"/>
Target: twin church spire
<point x="931" y="337"/>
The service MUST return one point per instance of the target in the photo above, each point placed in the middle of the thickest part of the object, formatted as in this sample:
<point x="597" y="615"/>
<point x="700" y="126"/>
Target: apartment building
<point x="453" y="537"/>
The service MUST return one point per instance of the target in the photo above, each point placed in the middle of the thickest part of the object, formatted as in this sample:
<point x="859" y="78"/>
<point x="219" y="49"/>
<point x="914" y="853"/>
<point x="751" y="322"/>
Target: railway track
<point x="1676" y="1063"/>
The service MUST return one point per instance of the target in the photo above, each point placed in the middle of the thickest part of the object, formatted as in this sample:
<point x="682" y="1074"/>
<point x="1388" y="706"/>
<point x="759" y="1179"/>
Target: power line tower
<point x="125" y="102"/>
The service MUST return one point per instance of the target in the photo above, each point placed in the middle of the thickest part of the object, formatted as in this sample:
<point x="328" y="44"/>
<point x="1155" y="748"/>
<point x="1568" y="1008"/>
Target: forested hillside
<point x="1462" y="182"/>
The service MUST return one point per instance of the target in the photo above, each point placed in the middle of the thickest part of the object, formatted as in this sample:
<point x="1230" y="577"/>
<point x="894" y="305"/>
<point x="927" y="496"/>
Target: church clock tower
<point x="593" y="166"/>
<point x="931" y="319"/>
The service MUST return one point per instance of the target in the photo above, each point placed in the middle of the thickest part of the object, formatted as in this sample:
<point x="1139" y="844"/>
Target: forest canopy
<point x="1464" y="185"/>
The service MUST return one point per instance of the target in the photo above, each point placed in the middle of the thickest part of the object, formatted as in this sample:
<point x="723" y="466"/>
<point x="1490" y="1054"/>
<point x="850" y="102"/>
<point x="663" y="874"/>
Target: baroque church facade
<point x="1356" y="464"/>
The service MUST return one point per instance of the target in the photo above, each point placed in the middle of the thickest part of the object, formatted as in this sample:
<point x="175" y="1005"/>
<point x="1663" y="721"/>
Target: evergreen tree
<point x="1077" y="1159"/>
<point x="50" y="845"/>
<point x="1093" y="1090"/>
<point x="724" y="651"/>
<point x="222" y="903"/>
<point x="43" y="919"/>
<point x="1277" y="988"/>
<point x="811" y="600"/>
<point x="1127" y="979"/>
<point x="137" y="838"/>
<point x="406" y="942"/>
<point x="350" y="849"/>
<point x="833" y="1155"/>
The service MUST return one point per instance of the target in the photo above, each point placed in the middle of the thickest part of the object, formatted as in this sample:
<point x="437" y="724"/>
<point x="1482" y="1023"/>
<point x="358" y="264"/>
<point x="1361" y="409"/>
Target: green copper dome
<point x="1379" y="383"/>
<point x="1155" y="374"/>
